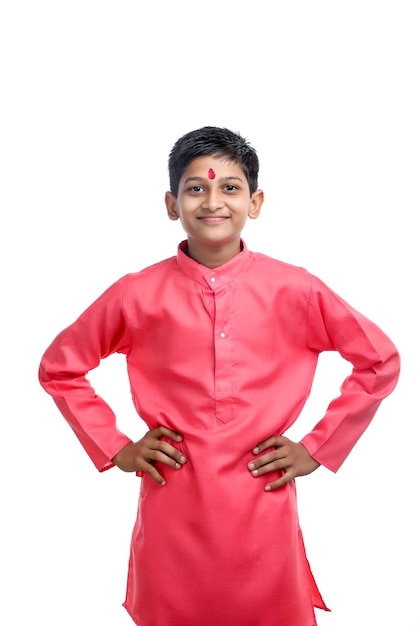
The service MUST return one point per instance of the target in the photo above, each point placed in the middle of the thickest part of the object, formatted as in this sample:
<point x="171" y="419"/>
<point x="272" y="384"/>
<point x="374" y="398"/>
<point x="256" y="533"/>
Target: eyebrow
<point x="200" y="179"/>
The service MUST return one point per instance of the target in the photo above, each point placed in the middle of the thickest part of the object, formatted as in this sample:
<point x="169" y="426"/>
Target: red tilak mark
<point x="211" y="174"/>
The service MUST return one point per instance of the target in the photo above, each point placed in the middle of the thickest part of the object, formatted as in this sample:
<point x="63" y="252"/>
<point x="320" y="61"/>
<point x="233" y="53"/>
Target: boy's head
<point x="212" y="141"/>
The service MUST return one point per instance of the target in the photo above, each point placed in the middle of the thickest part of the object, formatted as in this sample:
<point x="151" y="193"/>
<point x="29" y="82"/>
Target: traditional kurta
<point x="226" y="357"/>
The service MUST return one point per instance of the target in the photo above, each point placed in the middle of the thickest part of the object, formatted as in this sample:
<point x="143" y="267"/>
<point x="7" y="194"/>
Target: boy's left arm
<point x="333" y="325"/>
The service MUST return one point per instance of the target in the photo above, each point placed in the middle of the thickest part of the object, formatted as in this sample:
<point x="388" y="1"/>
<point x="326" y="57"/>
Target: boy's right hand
<point x="141" y="456"/>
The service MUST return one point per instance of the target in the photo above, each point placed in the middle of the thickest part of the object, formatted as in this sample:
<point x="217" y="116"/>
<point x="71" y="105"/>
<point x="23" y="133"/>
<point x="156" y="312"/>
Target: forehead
<point x="212" y="168"/>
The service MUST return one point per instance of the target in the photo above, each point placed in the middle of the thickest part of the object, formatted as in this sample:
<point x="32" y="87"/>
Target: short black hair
<point x="215" y="141"/>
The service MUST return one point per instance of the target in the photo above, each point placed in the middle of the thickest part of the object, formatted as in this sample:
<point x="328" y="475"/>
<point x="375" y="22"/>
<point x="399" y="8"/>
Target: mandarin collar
<point x="213" y="277"/>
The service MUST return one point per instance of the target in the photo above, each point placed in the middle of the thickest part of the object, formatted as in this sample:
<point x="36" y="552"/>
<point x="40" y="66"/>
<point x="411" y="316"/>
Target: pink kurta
<point x="226" y="357"/>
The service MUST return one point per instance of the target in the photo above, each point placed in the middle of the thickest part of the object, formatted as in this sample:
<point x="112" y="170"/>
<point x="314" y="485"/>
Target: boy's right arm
<point x="97" y="333"/>
<point x="142" y="455"/>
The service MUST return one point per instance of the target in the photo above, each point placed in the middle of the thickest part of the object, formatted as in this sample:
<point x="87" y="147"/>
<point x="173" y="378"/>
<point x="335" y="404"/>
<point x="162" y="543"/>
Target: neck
<point x="215" y="256"/>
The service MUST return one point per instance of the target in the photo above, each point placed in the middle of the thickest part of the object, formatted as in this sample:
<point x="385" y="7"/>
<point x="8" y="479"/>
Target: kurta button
<point x="213" y="279"/>
<point x="222" y="334"/>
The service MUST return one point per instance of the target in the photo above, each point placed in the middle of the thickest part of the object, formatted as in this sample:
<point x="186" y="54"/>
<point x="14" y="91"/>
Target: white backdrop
<point x="94" y="94"/>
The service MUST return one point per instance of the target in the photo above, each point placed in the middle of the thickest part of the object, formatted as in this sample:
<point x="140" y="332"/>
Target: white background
<point x="93" y="96"/>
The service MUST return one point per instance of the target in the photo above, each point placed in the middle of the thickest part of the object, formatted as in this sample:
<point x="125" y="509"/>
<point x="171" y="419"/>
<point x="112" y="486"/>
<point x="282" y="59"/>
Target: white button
<point x="213" y="279"/>
<point x="222" y="334"/>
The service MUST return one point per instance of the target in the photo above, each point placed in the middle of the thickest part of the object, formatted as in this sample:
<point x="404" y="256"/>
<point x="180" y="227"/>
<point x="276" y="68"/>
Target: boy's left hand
<point x="289" y="456"/>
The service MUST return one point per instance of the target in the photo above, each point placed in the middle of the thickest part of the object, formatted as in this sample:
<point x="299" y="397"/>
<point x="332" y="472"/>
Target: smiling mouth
<point x="213" y="218"/>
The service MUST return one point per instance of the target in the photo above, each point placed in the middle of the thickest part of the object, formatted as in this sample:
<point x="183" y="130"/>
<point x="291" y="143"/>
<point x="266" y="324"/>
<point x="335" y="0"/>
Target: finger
<point x="176" y="461"/>
<point x="276" y="484"/>
<point x="275" y="465"/>
<point x="266" y="460"/>
<point x="176" y="455"/>
<point x="154" y="474"/>
<point x="163" y="431"/>
<point x="275" y="441"/>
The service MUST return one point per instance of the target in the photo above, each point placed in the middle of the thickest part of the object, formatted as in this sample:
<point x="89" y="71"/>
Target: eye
<point x="196" y="189"/>
<point x="230" y="188"/>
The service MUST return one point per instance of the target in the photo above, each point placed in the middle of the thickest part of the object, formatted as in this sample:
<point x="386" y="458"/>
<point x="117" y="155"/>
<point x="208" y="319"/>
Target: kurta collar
<point x="216" y="277"/>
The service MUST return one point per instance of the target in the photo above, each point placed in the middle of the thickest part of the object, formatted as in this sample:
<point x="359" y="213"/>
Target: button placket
<point x="223" y="381"/>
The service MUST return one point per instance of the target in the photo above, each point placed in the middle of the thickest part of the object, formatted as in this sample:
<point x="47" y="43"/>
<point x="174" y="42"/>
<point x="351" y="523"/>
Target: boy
<point x="221" y="347"/>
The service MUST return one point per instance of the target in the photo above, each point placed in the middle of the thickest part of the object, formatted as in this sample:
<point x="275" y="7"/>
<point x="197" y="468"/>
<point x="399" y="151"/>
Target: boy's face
<point x="213" y="204"/>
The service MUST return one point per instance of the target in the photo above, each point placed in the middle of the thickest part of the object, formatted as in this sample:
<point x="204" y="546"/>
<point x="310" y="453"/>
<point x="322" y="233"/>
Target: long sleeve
<point x="335" y="325"/>
<point x="98" y="332"/>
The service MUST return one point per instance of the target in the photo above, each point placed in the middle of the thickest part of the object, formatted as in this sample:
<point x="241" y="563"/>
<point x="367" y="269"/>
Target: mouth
<point x="213" y="219"/>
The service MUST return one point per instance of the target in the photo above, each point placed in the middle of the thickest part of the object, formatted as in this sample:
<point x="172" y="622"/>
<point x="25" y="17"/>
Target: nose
<point x="213" y="200"/>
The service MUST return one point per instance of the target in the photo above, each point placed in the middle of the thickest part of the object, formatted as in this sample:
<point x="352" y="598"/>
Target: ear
<point x="256" y="202"/>
<point x="171" y="205"/>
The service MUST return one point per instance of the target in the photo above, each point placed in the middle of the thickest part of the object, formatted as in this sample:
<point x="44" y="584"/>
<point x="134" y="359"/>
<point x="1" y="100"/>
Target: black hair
<point x="218" y="142"/>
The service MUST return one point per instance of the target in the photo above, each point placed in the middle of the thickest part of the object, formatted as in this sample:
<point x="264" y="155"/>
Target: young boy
<point x="221" y="346"/>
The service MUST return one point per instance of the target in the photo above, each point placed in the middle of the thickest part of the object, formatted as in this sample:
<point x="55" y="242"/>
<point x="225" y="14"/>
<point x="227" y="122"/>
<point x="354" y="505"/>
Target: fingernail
<point x="177" y="465"/>
<point x="255" y="472"/>
<point x="268" y="488"/>
<point x="256" y="450"/>
<point x="182" y="459"/>
<point x="163" y="483"/>
<point x="251" y="466"/>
